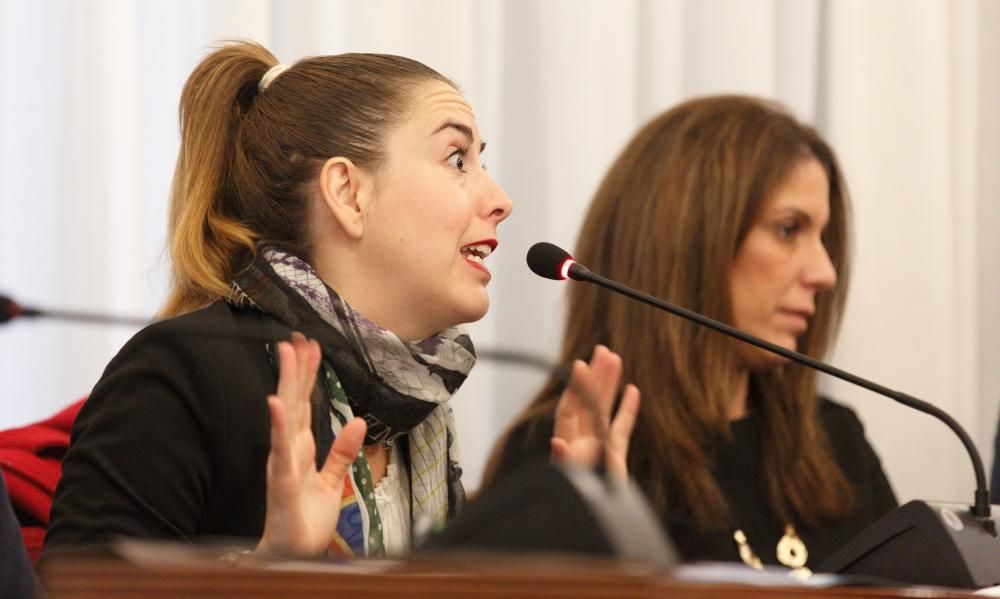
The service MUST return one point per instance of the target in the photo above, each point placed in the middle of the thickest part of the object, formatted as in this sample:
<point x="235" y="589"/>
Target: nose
<point x="819" y="272"/>
<point x="496" y="204"/>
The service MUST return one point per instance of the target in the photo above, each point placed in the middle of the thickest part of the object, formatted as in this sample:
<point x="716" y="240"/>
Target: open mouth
<point x="477" y="252"/>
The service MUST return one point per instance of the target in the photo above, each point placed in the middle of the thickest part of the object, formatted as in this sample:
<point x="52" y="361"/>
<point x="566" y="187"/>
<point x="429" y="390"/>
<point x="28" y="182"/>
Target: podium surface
<point x="470" y="576"/>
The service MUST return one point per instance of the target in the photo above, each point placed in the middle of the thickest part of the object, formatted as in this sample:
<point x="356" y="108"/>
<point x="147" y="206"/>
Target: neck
<point x="353" y="284"/>
<point x="738" y="395"/>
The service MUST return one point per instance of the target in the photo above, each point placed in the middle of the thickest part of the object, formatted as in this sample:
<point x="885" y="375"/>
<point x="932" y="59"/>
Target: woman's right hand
<point x="583" y="423"/>
<point x="303" y="504"/>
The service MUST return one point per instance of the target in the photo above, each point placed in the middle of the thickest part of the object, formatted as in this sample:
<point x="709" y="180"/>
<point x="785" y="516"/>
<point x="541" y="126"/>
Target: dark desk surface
<point x="470" y="577"/>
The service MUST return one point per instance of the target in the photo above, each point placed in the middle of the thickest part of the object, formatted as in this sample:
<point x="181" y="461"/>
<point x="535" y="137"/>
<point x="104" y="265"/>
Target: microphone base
<point x="927" y="543"/>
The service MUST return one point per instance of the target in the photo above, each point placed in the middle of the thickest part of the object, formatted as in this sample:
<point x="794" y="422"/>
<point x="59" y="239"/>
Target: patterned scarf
<point x="400" y="388"/>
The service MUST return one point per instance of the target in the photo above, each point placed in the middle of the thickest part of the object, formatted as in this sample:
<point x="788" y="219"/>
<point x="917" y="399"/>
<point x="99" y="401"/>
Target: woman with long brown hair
<point x="329" y="223"/>
<point x="730" y="207"/>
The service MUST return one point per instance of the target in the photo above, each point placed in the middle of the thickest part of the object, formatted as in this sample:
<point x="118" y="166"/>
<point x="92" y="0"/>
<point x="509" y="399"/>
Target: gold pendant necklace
<point x="791" y="552"/>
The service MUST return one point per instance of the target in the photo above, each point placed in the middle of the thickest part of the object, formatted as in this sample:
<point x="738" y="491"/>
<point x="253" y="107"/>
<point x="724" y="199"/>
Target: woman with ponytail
<point x="328" y="226"/>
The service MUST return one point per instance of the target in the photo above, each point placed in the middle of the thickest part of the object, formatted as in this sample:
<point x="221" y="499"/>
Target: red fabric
<point x="31" y="459"/>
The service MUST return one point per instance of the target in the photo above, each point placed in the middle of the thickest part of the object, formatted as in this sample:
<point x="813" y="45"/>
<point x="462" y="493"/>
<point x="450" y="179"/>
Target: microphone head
<point x="549" y="261"/>
<point x="8" y="309"/>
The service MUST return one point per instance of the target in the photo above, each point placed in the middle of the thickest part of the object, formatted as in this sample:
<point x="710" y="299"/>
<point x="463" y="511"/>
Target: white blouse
<point x="392" y="498"/>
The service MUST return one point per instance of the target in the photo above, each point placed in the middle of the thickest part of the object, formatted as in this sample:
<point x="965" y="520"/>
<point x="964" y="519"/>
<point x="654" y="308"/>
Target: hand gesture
<point x="584" y="411"/>
<point x="303" y="504"/>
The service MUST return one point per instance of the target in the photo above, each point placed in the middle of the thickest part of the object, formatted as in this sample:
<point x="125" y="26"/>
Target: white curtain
<point x="906" y="90"/>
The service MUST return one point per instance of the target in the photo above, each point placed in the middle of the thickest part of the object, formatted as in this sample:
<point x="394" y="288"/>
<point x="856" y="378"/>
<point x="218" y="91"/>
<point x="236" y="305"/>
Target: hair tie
<point x="271" y="75"/>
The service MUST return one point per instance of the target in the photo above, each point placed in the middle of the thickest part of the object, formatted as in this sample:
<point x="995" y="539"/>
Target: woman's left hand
<point x="583" y="416"/>
<point x="303" y="504"/>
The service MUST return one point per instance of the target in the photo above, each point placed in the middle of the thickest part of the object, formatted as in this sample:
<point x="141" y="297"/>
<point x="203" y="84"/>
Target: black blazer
<point x="173" y="441"/>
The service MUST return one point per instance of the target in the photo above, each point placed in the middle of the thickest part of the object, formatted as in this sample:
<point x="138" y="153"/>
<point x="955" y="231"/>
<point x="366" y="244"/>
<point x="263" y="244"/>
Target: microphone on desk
<point x="954" y="547"/>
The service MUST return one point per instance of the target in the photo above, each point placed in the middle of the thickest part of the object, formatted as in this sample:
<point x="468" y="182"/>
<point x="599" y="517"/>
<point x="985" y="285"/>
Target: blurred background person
<point x="729" y="207"/>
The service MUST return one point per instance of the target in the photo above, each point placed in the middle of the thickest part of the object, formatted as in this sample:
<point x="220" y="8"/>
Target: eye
<point x="787" y="230"/>
<point x="457" y="159"/>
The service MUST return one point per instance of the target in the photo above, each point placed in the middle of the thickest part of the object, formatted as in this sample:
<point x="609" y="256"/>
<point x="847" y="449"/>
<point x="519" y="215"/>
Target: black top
<point x="173" y="441"/>
<point x="739" y="476"/>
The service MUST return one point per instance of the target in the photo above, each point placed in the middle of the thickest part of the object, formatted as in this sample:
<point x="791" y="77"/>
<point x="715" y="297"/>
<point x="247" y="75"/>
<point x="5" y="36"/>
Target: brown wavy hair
<point x="668" y="219"/>
<point x="248" y="157"/>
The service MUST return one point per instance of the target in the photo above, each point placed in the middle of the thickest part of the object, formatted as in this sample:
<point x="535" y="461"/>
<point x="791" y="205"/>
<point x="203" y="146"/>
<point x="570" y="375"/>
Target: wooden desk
<point x="482" y="578"/>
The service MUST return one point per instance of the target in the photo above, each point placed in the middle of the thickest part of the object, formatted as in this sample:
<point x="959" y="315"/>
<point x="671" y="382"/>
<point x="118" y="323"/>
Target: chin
<point x="471" y="312"/>
<point x="762" y="360"/>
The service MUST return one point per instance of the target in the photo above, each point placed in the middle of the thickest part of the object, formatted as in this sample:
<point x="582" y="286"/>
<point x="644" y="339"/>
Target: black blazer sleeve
<point x="857" y="458"/>
<point x="173" y="441"/>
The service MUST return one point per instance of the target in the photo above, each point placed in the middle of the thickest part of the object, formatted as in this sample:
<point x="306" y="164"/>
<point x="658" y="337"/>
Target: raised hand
<point x="303" y="504"/>
<point x="582" y="418"/>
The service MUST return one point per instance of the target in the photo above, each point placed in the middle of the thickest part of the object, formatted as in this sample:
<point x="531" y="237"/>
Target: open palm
<point x="303" y="504"/>
<point x="583" y="416"/>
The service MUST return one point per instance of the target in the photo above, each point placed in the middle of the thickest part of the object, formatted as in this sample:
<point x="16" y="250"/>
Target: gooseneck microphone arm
<point x="552" y="262"/>
<point x="9" y="310"/>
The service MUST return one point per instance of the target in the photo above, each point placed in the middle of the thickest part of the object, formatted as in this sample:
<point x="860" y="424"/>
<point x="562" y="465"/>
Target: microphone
<point x="10" y="310"/>
<point x="552" y="262"/>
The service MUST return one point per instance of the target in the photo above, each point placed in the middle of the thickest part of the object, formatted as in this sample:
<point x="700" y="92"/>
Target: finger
<point x="590" y="421"/>
<point x="314" y="356"/>
<point x="308" y="383"/>
<point x="567" y="419"/>
<point x="607" y="368"/>
<point x="287" y="381"/>
<point x="621" y="431"/>
<point x="301" y="347"/>
<point x="344" y="451"/>
<point x="280" y="456"/>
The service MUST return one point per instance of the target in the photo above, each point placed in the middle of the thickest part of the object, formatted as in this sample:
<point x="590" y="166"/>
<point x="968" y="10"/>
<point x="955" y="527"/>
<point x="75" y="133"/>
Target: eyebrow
<point x="785" y="210"/>
<point x="463" y="129"/>
<point x="797" y="212"/>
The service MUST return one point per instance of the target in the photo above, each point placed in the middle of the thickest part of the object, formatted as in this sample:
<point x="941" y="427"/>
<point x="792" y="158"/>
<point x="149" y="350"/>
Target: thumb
<point x="560" y="449"/>
<point x="345" y="449"/>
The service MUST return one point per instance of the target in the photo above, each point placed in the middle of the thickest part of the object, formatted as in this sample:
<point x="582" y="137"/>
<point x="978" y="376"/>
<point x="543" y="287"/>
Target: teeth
<point x="477" y="252"/>
<point x="473" y="258"/>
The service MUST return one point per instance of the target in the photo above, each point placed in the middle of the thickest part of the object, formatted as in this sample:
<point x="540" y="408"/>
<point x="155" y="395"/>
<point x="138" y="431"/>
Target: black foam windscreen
<point x="546" y="260"/>
<point x="8" y="309"/>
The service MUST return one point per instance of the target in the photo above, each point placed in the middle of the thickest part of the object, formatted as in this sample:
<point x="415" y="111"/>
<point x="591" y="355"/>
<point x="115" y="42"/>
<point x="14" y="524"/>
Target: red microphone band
<point x="564" y="269"/>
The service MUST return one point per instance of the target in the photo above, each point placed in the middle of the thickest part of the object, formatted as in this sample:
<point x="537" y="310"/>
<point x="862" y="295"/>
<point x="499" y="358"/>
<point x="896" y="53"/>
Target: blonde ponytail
<point x="207" y="234"/>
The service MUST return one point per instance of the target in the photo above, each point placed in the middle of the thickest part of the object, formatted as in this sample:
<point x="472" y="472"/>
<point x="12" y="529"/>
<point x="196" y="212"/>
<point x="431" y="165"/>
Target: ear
<point x="345" y="189"/>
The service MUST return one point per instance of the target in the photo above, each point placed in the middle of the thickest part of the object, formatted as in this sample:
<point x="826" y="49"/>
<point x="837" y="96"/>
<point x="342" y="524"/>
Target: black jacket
<point x="173" y="441"/>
